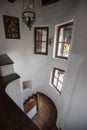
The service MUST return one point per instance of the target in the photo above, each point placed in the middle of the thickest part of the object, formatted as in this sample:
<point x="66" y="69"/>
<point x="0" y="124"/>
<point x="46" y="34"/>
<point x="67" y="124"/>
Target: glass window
<point x="63" y="42"/>
<point x="41" y="40"/>
<point x="57" y="79"/>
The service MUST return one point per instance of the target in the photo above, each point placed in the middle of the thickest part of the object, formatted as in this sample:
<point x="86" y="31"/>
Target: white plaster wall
<point x="38" y="67"/>
<point x="75" y="115"/>
<point x="6" y="70"/>
<point x="13" y="89"/>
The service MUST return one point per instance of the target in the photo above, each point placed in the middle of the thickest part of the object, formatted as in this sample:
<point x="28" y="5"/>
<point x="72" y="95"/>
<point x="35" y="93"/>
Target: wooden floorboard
<point x="46" y="116"/>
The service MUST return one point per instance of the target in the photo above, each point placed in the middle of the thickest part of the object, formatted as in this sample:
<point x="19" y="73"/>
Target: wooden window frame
<point x="53" y="77"/>
<point x="37" y="41"/>
<point x="57" y="41"/>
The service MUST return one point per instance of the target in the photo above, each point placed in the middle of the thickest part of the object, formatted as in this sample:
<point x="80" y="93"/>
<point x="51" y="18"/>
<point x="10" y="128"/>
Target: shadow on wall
<point x="76" y="115"/>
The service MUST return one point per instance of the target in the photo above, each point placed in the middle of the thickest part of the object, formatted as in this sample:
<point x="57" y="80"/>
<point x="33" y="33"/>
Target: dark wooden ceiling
<point x="47" y="2"/>
<point x="11" y="1"/>
<point x="44" y="2"/>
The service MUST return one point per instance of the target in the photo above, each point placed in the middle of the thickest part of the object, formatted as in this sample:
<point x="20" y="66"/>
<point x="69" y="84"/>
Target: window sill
<point x="60" y="58"/>
<point x="55" y="89"/>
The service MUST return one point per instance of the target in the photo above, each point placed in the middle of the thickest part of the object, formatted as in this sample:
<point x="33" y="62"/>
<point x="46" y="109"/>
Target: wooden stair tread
<point x="5" y="60"/>
<point x="29" y="105"/>
<point x="46" y="115"/>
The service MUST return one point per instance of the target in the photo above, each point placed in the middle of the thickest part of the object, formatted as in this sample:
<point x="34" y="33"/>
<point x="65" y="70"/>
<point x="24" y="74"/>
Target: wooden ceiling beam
<point x="47" y="2"/>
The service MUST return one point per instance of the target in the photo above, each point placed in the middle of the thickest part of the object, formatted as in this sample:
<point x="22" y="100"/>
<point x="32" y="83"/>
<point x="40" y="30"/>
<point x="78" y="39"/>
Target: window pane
<point x="61" y="35"/>
<point x="55" y="82"/>
<point x="38" y="46"/>
<point x="44" y="35"/>
<point x="66" y="49"/>
<point x="38" y="35"/>
<point x="61" y="76"/>
<point x="56" y="73"/>
<point x="59" y="87"/>
<point x="60" y="49"/>
<point x="68" y="34"/>
<point x="43" y="46"/>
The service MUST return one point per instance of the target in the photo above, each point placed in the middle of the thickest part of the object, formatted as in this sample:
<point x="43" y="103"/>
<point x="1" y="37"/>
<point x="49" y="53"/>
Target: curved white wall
<point x="13" y="89"/>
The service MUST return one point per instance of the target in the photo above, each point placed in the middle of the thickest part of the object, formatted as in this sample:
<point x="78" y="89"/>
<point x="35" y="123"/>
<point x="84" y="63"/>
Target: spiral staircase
<point x="12" y="117"/>
<point x="46" y="113"/>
